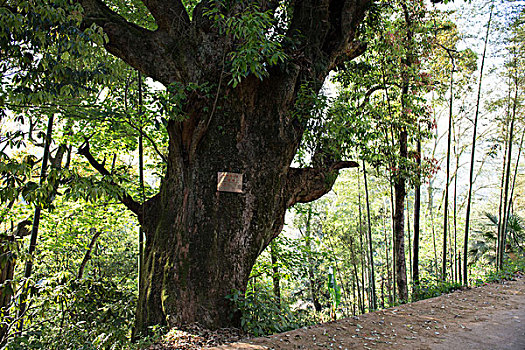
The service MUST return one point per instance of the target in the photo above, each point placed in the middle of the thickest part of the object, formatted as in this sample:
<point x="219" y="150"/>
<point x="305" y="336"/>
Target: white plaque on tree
<point x="229" y="182"/>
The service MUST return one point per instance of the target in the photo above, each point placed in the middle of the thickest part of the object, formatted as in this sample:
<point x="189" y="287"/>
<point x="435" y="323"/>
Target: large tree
<point x="246" y="70"/>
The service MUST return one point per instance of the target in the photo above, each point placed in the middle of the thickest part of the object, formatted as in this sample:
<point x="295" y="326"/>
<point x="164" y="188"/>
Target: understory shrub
<point x="261" y="313"/>
<point x="86" y="314"/>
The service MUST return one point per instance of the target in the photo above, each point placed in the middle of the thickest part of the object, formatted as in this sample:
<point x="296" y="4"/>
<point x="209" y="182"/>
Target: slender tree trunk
<point x="447" y="179"/>
<point x="362" y="248"/>
<point x="393" y="220"/>
<point x="370" y="247"/>
<point x="382" y="299"/>
<point x="409" y="234"/>
<point x="430" y="207"/>
<point x="387" y="254"/>
<point x="456" y="255"/>
<point x="399" y="226"/>
<point x="311" y="274"/>
<point x="353" y="253"/>
<point x="354" y="298"/>
<point x="417" y="216"/>
<point x="431" y="212"/>
<point x="276" y="276"/>
<point x="473" y="153"/>
<point x="506" y="201"/>
<point x="451" y="255"/>
<point x="141" y="183"/>
<point x="503" y="168"/>
<point x="360" y="231"/>
<point x="360" y="302"/>
<point x="36" y="225"/>
<point x="520" y="149"/>
<point x="337" y="271"/>
<point x="87" y="255"/>
<point x="8" y="249"/>
<point x="456" y="265"/>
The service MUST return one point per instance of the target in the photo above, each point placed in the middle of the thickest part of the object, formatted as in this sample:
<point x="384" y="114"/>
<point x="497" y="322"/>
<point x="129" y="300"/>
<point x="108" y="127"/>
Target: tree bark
<point x="392" y="221"/>
<point x="387" y="254"/>
<point x="362" y="250"/>
<point x="399" y="225"/>
<point x="409" y="240"/>
<point x="201" y="243"/>
<point x="417" y="216"/>
<point x="8" y="254"/>
<point x="141" y="181"/>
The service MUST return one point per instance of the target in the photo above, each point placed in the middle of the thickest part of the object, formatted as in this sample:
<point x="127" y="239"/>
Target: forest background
<point x="434" y="107"/>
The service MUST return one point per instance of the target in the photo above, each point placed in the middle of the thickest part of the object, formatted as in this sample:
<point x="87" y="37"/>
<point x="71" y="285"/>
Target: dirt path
<point x="487" y="317"/>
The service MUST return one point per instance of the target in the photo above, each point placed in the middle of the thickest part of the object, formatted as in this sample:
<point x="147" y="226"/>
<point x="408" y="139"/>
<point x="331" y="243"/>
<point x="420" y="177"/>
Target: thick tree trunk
<point x="201" y="243"/>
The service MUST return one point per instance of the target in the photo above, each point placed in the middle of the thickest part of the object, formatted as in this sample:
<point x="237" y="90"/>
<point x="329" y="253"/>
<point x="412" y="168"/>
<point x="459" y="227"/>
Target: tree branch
<point x="87" y="256"/>
<point x="345" y="17"/>
<point x="126" y="199"/>
<point x="308" y="184"/>
<point x="367" y="95"/>
<point x="147" y="137"/>
<point x="150" y="52"/>
<point x="169" y="14"/>
<point x="327" y="29"/>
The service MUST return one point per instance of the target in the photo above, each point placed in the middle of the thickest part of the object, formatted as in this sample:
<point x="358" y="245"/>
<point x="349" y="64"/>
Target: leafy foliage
<point x="431" y="289"/>
<point x="86" y="314"/>
<point x="262" y="315"/>
<point x="259" y="47"/>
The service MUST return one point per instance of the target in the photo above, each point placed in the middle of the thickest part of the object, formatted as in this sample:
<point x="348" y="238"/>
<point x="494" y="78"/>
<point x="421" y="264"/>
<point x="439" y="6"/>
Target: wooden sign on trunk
<point x="229" y="182"/>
